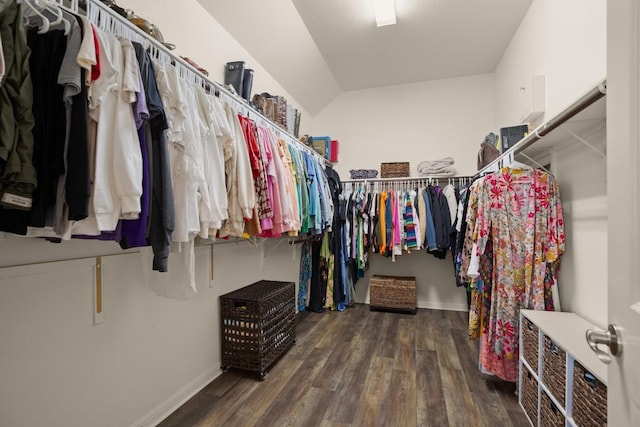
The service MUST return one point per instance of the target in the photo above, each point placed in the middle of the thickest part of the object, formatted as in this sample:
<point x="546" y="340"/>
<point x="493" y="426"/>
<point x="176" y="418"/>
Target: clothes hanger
<point x="44" y="27"/>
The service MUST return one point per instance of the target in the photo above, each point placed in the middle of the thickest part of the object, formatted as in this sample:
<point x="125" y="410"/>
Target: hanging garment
<point x="410" y="228"/>
<point x="134" y="232"/>
<point x="161" y="206"/>
<point x="17" y="172"/>
<point x="521" y="212"/>
<point x="240" y="191"/>
<point x="319" y="274"/>
<point x="49" y="132"/>
<point x="306" y="272"/>
<point x="213" y="161"/>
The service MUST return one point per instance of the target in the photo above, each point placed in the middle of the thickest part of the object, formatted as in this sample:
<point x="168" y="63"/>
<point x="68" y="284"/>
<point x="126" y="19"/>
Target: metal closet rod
<point x="220" y="87"/>
<point x="599" y="91"/>
<point x="408" y="178"/>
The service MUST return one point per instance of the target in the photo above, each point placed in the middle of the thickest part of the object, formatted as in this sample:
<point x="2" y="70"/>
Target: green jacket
<point x="17" y="173"/>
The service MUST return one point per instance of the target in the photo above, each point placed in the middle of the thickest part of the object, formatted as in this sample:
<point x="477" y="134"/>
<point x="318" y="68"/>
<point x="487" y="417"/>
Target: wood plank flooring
<point x="363" y="368"/>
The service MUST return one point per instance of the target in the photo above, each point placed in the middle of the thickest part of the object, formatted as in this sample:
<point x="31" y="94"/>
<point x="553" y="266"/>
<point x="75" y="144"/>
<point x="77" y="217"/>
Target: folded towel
<point x="441" y="167"/>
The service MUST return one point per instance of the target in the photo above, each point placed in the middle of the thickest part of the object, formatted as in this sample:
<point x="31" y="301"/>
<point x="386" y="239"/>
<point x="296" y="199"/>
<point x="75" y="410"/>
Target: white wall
<point x="198" y="36"/>
<point x="566" y="42"/>
<point x="148" y="355"/>
<point x="581" y="173"/>
<point x="563" y="40"/>
<point x="412" y="122"/>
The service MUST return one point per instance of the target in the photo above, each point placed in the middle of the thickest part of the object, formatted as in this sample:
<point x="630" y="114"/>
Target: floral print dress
<point x="519" y="212"/>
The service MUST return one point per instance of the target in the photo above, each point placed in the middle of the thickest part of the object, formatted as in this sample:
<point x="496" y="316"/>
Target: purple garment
<point x="140" y="109"/>
<point x="134" y="232"/>
<point x="107" y="236"/>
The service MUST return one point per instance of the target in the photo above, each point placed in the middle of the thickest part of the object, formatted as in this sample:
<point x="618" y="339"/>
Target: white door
<point x="623" y="189"/>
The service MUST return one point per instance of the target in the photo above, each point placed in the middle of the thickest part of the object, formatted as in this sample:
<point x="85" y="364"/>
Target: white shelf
<point x="567" y="330"/>
<point x="589" y="121"/>
<point x="583" y="113"/>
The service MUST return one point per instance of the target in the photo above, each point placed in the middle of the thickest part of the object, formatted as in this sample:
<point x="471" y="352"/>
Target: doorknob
<point x="610" y="338"/>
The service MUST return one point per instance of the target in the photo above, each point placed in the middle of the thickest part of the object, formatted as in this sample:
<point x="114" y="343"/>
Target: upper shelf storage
<point x="584" y="115"/>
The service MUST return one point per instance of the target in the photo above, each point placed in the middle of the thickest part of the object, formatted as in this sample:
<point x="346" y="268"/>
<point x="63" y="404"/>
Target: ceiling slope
<point x="275" y="35"/>
<point x="318" y="48"/>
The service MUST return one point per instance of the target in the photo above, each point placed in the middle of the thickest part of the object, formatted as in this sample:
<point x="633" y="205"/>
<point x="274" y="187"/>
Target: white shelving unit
<point x="567" y="332"/>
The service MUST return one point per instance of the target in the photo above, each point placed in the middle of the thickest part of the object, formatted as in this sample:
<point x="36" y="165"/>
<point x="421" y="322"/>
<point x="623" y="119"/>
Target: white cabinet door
<point x="623" y="189"/>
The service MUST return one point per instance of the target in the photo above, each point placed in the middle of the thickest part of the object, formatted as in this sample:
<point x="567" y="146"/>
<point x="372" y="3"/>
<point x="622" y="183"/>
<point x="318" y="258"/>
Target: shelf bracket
<point x="98" y="314"/>
<point x="536" y="163"/>
<point x="274" y="248"/>
<point x="584" y="141"/>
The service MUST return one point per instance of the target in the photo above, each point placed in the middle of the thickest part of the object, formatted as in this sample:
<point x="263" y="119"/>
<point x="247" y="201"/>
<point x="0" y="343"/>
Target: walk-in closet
<point x="337" y="213"/>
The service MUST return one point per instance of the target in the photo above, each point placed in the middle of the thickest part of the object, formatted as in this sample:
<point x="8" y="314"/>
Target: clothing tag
<point x="14" y="199"/>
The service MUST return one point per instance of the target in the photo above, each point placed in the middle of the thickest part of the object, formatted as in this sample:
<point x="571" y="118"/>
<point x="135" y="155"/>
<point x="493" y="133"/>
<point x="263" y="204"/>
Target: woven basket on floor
<point x="529" y="395"/>
<point x="554" y="369"/>
<point x="530" y="343"/>
<point x="550" y="415"/>
<point x="395" y="170"/>
<point x="258" y="325"/>
<point x="393" y="293"/>
<point x="589" y="398"/>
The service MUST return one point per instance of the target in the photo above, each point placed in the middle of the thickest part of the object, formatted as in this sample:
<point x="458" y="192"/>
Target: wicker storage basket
<point x="529" y="395"/>
<point x="530" y="343"/>
<point x="393" y="293"/>
<point x="394" y="170"/>
<point x="554" y="369"/>
<point x="589" y="398"/>
<point x="550" y="415"/>
<point x="258" y="325"/>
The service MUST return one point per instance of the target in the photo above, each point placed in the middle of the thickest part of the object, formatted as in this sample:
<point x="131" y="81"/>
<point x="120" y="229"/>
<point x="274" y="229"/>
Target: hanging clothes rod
<point x="241" y="102"/>
<point x="408" y="178"/>
<point x="596" y="93"/>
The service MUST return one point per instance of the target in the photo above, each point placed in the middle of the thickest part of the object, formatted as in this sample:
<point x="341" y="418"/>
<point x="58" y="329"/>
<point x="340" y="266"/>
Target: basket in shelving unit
<point x="395" y="170"/>
<point x="530" y="343"/>
<point x="554" y="369"/>
<point x="529" y="395"/>
<point x="258" y="325"/>
<point x="589" y="398"/>
<point x="395" y="293"/>
<point x="550" y="415"/>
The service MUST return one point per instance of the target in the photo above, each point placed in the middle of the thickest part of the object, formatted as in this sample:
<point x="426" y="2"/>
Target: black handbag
<point x="247" y="84"/>
<point x="234" y="75"/>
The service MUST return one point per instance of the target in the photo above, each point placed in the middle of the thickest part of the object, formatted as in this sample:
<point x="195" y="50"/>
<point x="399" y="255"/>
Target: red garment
<point x="95" y="69"/>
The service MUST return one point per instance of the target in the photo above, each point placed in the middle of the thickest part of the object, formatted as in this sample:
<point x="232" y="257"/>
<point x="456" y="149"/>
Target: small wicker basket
<point x="395" y="170"/>
<point x="530" y="343"/>
<point x="554" y="369"/>
<point x="589" y="398"/>
<point x="550" y="415"/>
<point x="396" y="293"/>
<point x="529" y="395"/>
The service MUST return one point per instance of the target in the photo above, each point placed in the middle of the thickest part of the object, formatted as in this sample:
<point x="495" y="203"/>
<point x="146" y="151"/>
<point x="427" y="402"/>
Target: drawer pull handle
<point x="590" y="380"/>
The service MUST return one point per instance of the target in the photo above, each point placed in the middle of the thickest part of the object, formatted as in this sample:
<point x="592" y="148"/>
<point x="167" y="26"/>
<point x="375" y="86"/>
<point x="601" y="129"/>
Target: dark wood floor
<point x="362" y="368"/>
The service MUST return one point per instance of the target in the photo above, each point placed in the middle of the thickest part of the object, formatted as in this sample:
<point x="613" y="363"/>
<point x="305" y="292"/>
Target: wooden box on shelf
<point x="396" y="293"/>
<point x="395" y="170"/>
<point x="258" y="325"/>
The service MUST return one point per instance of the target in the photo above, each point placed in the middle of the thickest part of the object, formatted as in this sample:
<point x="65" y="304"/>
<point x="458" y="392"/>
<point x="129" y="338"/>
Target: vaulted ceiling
<point x="319" y="48"/>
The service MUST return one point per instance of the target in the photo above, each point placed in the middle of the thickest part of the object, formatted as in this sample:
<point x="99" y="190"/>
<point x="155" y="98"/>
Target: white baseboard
<point x="437" y="305"/>
<point x="164" y="409"/>
<point x="453" y="306"/>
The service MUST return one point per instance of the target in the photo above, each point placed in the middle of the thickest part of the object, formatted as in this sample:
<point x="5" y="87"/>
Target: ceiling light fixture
<point x="385" y="11"/>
